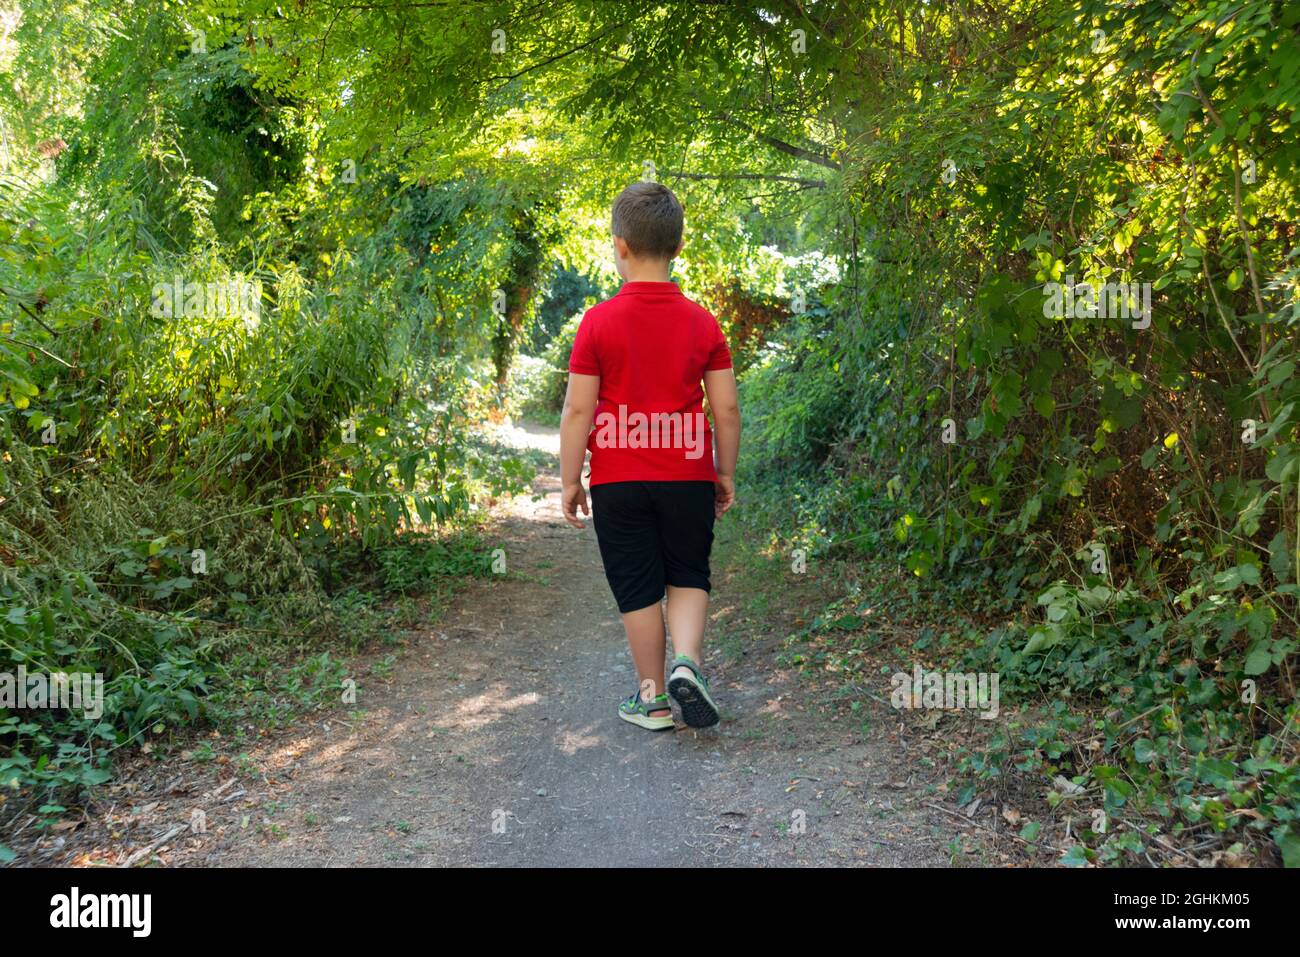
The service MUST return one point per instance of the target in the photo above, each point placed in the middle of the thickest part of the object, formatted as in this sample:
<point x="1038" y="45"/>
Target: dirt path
<point x="495" y="741"/>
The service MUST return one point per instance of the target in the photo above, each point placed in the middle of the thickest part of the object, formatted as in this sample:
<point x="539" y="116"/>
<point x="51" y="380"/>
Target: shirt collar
<point x="638" y="287"/>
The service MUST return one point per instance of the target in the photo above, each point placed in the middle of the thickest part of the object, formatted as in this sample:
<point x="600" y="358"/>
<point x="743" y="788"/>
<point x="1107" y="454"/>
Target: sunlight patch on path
<point x="482" y="709"/>
<point x="527" y="435"/>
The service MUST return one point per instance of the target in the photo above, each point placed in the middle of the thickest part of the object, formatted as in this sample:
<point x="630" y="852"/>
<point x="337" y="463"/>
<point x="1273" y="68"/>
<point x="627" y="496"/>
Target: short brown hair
<point x="648" y="217"/>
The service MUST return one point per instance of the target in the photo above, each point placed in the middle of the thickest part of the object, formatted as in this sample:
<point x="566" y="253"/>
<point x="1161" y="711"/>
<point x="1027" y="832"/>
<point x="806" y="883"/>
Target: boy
<point x="636" y="367"/>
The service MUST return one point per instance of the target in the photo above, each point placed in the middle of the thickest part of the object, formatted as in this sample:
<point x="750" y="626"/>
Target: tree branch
<point x="788" y="148"/>
<point x="775" y="177"/>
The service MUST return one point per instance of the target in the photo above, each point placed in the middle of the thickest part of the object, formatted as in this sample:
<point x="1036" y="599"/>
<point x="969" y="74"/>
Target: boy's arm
<point x="575" y="426"/>
<point x="720" y="387"/>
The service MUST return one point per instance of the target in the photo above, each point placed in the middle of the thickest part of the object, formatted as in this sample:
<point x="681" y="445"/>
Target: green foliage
<point x="1084" y="433"/>
<point x="542" y="392"/>
<point x="178" y="485"/>
<point x="796" y="393"/>
<point x="568" y="294"/>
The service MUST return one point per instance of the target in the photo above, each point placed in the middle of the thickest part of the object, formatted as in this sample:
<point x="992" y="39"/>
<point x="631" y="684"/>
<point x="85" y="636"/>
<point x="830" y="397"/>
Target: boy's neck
<point x="648" y="271"/>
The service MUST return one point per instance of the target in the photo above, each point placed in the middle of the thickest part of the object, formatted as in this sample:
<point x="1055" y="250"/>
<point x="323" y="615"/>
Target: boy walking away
<point x="636" y="370"/>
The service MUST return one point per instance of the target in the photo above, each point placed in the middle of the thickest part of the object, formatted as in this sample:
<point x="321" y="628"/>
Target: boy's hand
<point x="724" y="494"/>
<point x="574" y="497"/>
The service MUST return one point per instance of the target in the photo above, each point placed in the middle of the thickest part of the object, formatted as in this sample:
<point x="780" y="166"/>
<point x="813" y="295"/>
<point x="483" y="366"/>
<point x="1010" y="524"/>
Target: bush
<point x="542" y="395"/>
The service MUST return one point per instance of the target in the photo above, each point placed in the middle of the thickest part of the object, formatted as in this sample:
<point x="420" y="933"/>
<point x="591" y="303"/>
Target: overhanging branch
<point x="774" y="177"/>
<point x="821" y="159"/>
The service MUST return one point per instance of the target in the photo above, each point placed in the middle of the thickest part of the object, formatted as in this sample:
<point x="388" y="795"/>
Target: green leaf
<point x="1288" y="842"/>
<point x="1259" y="660"/>
<point x="1076" y="856"/>
<point x="1233" y="578"/>
<point x="1280" y="373"/>
<point x="1282" y="466"/>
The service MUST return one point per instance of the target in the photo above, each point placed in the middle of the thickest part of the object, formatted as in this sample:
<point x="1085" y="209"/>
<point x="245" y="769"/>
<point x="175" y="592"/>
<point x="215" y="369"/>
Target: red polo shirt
<point x="651" y="346"/>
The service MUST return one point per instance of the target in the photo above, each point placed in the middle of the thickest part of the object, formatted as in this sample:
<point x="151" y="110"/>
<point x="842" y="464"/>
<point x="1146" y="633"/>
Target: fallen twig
<point x="966" y="820"/>
<point x="150" y="848"/>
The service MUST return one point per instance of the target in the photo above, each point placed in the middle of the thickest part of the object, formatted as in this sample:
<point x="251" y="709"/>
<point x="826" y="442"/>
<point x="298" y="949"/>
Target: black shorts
<point x="653" y="534"/>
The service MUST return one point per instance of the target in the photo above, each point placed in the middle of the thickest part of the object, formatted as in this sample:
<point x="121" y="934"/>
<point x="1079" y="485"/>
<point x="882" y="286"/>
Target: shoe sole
<point x="645" y="721"/>
<point x="698" y="710"/>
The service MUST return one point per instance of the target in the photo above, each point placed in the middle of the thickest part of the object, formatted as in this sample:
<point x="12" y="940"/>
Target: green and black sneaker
<point x="690" y="689"/>
<point x="655" y="713"/>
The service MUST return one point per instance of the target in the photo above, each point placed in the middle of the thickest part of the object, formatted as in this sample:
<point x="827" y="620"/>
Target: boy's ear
<point x="621" y="247"/>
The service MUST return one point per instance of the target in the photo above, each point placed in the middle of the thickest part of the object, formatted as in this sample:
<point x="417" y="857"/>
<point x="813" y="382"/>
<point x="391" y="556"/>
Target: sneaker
<point x="655" y="714"/>
<point x="690" y="689"/>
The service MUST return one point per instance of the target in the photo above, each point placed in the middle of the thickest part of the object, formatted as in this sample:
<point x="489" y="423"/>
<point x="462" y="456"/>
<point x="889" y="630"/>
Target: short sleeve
<point x="583" y="359"/>
<point x="719" y="354"/>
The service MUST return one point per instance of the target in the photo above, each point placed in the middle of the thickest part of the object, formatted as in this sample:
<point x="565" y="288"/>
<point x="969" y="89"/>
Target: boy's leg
<point x="687" y="610"/>
<point x="645" y="638"/>
<point x="627" y="532"/>
<point x="686" y="532"/>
